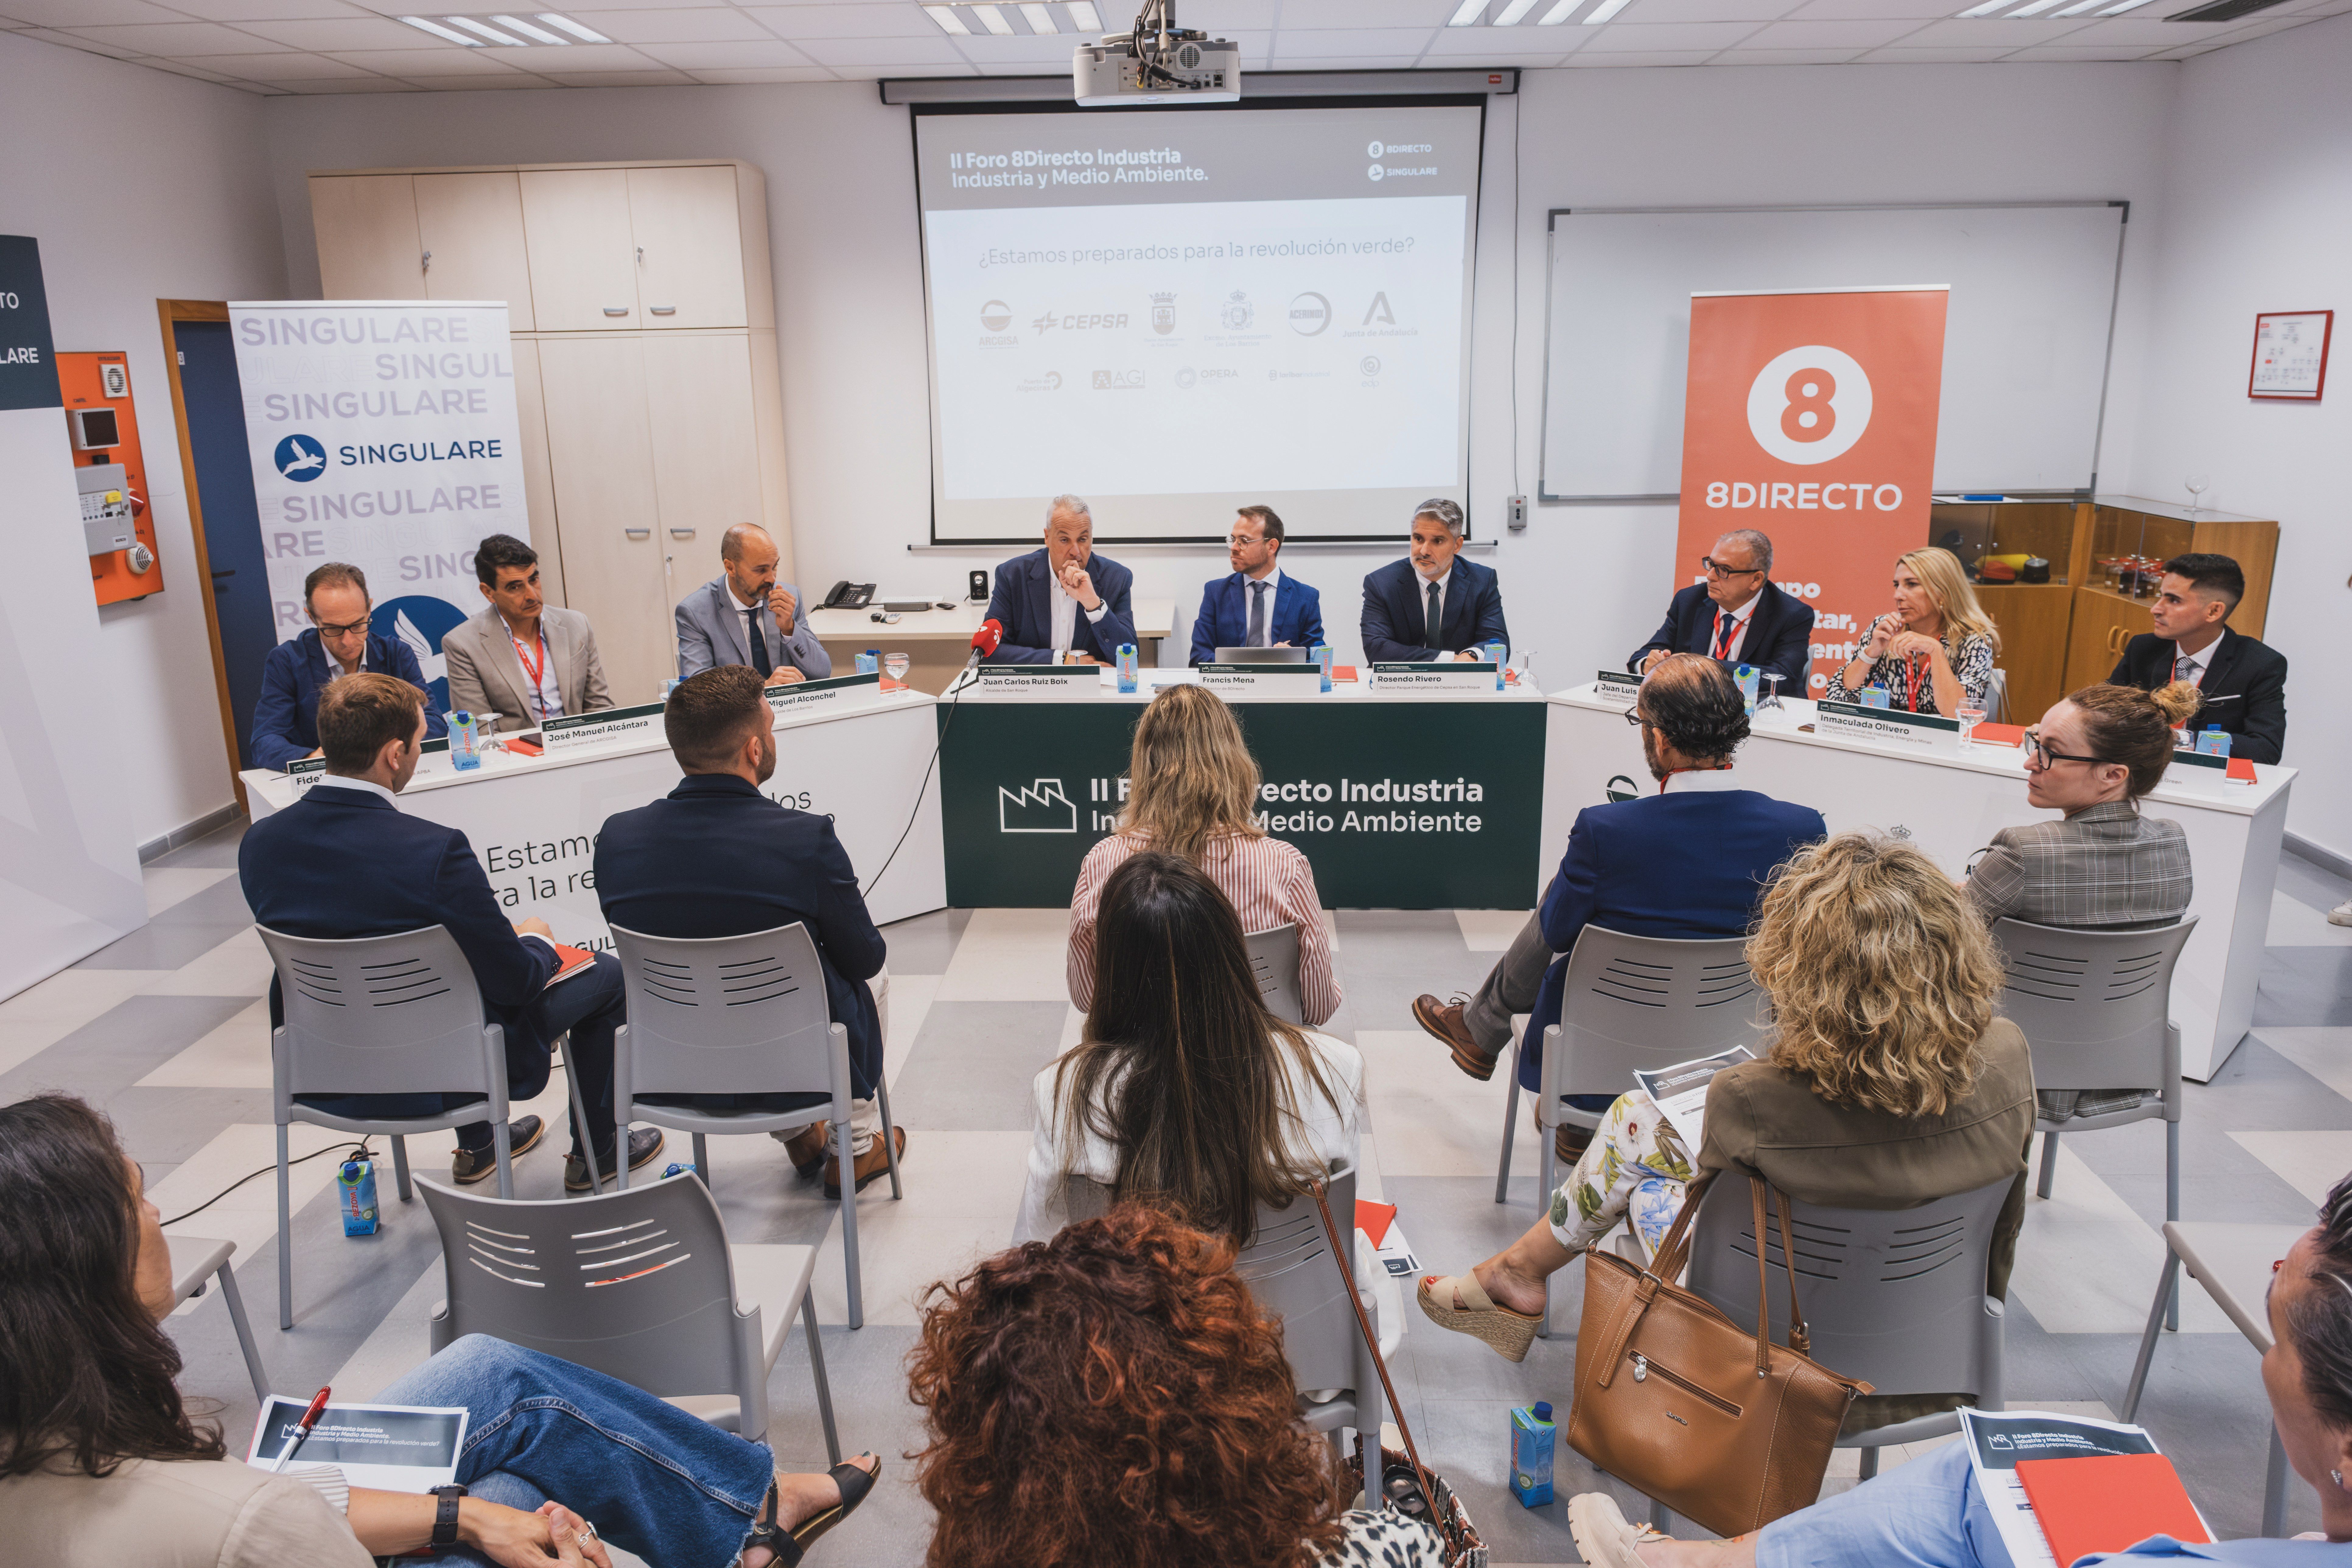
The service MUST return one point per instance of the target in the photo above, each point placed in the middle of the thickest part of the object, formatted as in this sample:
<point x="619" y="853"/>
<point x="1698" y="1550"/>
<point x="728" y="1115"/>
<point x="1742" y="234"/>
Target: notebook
<point x="570" y="961"/>
<point x="2105" y="1502"/>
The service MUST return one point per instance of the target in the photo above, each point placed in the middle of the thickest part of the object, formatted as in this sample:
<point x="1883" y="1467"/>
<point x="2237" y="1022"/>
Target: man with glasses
<point x="1736" y="616"/>
<point x="286" y="716"/>
<point x="1260" y="605"/>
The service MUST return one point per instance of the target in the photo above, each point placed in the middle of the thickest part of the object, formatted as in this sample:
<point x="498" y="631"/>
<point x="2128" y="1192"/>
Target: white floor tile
<point x="2087" y="1264"/>
<point x="1489" y="931"/>
<point x="1433" y="1120"/>
<point x="1010" y="955"/>
<point x="249" y="1214"/>
<point x="396" y="1344"/>
<point x="2323" y="1051"/>
<point x="961" y="1202"/>
<point x="234" y="1055"/>
<point x="168" y="885"/>
<point x="2310" y="1163"/>
<point x="911" y="1004"/>
<point x="40" y="1015"/>
<point x="2295" y="923"/>
<point x="237" y="967"/>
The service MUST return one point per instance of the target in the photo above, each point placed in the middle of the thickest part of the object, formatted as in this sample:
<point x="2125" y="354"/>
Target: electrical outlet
<point x="1518" y="514"/>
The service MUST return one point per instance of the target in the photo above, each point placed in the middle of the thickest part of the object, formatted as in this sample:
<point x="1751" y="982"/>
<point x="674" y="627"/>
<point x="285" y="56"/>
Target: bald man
<point x="744" y="615"/>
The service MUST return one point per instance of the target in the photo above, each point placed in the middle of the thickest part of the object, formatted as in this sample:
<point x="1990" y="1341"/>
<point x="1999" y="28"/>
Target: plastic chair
<point x="1274" y="959"/>
<point x="639" y="1285"/>
<point x="1996" y="698"/>
<point x="196" y="1260"/>
<point x="739" y="1015"/>
<point x="2094" y="1008"/>
<point x="2234" y="1263"/>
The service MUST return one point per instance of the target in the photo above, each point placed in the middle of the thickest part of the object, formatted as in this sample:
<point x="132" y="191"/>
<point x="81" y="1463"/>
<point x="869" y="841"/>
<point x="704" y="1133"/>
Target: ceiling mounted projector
<point x="1156" y="63"/>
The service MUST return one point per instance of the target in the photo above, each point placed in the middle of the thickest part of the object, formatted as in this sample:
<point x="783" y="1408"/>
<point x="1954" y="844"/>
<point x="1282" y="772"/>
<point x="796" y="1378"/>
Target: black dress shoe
<point x="644" y="1143"/>
<point x="472" y="1165"/>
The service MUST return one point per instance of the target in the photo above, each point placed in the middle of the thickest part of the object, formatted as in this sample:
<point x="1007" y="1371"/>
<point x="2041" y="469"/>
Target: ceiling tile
<point x="181" y="67"/>
<point x="283" y="68"/>
<point x="1315" y="13"/>
<point x="1872" y="10"/>
<point x="579" y="59"/>
<point x="1512" y="44"/>
<point x="1829" y="34"/>
<point x="601" y="6"/>
<point x="78" y="41"/>
<point x="704" y="58"/>
<point x="1370" y="40"/>
<point x="871" y="73"/>
<point x="2077" y="52"/>
<point x="837" y="21"/>
<point x="1940" y="54"/>
<point x="1990" y="33"/>
<point x="753" y="78"/>
<point x="269" y="10"/>
<point x="624" y="78"/>
<point x="86" y="13"/>
<point x="2153" y="33"/>
<point x="314" y="85"/>
<point x="704" y="25"/>
<point x="892" y="53"/>
<point x="1023" y="51"/>
<point x="338" y="33"/>
<point x="182" y="40"/>
<point x="1588" y="57"/>
<point x="1348" y="62"/>
<point x="1743" y="56"/>
<point x="452" y="60"/>
<point x="1217" y="17"/>
<point x="501" y="81"/>
<point x="1668" y="38"/>
<point x="1652" y="12"/>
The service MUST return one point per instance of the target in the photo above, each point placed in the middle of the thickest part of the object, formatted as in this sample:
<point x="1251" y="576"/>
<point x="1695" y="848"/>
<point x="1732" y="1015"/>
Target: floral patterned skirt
<point x="1637" y="1170"/>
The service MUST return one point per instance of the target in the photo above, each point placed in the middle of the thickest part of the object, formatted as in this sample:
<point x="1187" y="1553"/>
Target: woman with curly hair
<point x="1887" y="1083"/>
<point x="1114" y="1397"/>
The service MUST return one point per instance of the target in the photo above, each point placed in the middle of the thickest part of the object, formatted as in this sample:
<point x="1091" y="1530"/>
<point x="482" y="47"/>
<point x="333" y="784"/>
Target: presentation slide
<point x="1176" y="312"/>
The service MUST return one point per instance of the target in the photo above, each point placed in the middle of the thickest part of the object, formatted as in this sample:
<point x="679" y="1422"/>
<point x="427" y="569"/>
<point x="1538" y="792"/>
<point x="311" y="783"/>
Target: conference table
<point x="937" y="641"/>
<point x="1949" y="801"/>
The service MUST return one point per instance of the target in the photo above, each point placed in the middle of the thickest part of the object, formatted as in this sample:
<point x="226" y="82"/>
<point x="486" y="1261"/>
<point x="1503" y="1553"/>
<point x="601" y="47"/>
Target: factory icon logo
<point x="1040" y="808"/>
<point x="1163" y="313"/>
<point x="301" y="458"/>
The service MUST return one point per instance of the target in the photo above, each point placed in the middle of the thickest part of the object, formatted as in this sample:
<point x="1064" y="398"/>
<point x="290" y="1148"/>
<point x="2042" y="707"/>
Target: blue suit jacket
<point x="1295" y="618"/>
<point x="1022" y="604"/>
<point x="1682" y="866"/>
<point x="715" y="858"/>
<point x="1396" y="605"/>
<point x="1780" y="634"/>
<point x="286" y="715"/>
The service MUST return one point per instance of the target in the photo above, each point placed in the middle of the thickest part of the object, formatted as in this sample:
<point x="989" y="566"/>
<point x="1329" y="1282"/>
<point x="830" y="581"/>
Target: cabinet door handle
<point x="681" y="533"/>
<point x="638" y="532"/>
<point x="428" y="263"/>
<point x="616" y="309"/>
<point x="663" y="309"/>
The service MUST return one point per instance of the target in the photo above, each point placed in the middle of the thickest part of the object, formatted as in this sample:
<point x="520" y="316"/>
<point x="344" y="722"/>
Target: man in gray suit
<point x="522" y="658"/>
<point x="744" y="615"/>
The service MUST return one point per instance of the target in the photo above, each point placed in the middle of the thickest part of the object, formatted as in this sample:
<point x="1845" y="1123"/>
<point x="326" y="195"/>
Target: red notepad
<point x="1373" y="1219"/>
<point x="2242" y="769"/>
<point x="571" y="961"/>
<point x="2105" y="1502"/>
<point x="1343" y="672"/>
<point x="1998" y="734"/>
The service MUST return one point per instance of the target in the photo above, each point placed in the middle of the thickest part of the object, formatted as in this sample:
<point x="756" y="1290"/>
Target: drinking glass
<point x="1969" y="719"/>
<point x="1771" y="698"/>
<point x="2197" y="485"/>
<point x="894" y="665"/>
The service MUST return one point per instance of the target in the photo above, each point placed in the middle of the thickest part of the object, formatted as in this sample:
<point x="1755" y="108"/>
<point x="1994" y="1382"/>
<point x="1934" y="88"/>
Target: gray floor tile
<point x="2304" y="986"/>
<point x="122" y="1046"/>
<point x="2312" y="884"/>
<point x="923" y="945"/>
<point x="188" y="930"/>
<point x="215" y="848"/>
<point x="972" y="1063"/>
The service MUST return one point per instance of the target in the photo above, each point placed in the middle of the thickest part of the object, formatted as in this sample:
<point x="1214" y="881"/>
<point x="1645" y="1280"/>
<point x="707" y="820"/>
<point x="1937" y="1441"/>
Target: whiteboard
<point x="2025" y="346"/>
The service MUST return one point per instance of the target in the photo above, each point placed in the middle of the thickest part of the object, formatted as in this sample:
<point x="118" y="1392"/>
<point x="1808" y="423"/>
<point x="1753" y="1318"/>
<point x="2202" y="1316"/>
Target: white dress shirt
<point x="1699" y="781"/>
<point x="546" y="698"/>
<point x="1066" y="609"/>
<point x="1436" y="620"/>
<point x="1740" y="617"/>
<point x="2191" y="667"/>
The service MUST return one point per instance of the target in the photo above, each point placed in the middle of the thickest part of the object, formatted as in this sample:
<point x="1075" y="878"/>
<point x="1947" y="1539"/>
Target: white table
<point x="1950" y="805"/>
<point x="937" y="641"/>
<point x="533" y="821"/>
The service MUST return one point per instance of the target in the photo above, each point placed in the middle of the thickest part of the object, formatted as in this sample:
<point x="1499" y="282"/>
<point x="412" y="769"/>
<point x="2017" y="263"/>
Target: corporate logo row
<point x="1237" y="318"/>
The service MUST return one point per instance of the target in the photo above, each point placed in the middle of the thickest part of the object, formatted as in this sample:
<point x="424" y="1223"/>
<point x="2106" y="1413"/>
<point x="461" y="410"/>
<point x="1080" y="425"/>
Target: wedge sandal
<point x="1506" y="1332"/>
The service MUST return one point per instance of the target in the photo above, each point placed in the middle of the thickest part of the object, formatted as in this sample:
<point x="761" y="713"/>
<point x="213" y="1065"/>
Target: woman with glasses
<point x="1933" y="653"/>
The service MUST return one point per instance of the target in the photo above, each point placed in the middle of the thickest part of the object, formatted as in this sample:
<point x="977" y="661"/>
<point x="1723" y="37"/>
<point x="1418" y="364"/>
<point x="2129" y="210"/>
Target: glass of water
<point x="895" y="664"/>
<point x="1969" y="719"/>
<point x="1771" y="698"/>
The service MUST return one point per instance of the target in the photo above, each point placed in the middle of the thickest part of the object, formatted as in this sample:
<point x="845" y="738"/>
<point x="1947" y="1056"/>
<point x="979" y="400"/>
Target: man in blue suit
<point x="344" y="862"/>
<point x="717" y="857"/>
<point x="1736" y="616"/>
<point x="1063" y="604"/>
<point x="1690" y="861"/>
<point x="1433" y="605"/>
<point x="285" y="717"/>
<point x="1260" y="605"/>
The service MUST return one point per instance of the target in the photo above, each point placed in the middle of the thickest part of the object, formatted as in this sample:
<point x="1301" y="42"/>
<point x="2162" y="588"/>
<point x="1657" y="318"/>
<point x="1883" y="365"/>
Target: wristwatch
<point x="445" y="1516"/>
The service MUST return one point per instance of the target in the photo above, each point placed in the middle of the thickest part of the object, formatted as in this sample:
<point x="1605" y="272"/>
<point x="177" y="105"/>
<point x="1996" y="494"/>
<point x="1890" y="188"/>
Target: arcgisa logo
<point x="1810" y="404"/>
<point x="996" y="315"/>
<point x="301" y="458"/>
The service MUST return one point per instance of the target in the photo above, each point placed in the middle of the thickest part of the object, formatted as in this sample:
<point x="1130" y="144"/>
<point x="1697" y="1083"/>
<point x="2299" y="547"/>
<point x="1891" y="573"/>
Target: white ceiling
<point x="276" y="46"/>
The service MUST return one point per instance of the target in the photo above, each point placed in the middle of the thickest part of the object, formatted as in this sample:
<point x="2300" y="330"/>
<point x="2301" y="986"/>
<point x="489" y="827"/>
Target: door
<point x="366" y="229"/>
<point x="471" y="229"/>
<point x="220" y="475"/>
<point x="601" y="451"/>
<point x="538" y="478"/>
<point x="706" y="464"/>
<point x="690" y="245"/>
<point x="583" y="273"/>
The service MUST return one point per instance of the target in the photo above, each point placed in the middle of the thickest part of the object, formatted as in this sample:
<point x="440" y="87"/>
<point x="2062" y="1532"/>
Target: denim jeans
<point x="673" y="1488"/>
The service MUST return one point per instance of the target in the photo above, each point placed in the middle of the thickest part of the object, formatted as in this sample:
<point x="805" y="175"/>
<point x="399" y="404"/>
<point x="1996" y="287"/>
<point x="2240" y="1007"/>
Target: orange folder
<point x="1998" y="734"/>
<point x="1373" y="1219"/>
<point x="2105" y="1502"/>
<point x="1343" y="672"/>
<point x="2243" y="770"/>
<point x="570" y="961"/>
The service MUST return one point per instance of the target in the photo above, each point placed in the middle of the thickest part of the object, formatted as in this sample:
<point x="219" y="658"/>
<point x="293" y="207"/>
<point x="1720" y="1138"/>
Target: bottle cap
<point x="1543" y="1410"/>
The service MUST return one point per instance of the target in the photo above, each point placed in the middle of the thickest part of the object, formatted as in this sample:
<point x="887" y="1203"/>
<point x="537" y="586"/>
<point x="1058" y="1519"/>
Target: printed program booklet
<point x="1680" y="1091"/>
<point x="391" y="1448"/>
<point x="1998" y="1440"/>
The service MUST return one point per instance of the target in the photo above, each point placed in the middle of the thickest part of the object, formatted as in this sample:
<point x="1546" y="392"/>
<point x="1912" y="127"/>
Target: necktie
<point x="1257" y="615"/>
<point x="1725" y="623"/>
<point x="2184" y="668"/>
<point x="1433" y="618"/>
<point x="759" y="659"/>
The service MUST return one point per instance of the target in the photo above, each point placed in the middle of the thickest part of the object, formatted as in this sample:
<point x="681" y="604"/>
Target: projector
<point x="1156" y="63"/>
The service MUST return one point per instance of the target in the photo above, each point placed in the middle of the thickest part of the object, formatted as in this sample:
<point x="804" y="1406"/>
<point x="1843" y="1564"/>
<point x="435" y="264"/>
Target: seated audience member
<point x="745" y="617"/>
<point x="522" y="658"/>
<point x="1930" y="1514"/>
<point x="1260" y="605"/>
<point x="2243" y="680"/>
<point x="1736" y="616"/>
<point x="1934" y="652"/>
<point x="1114" y="1397"/>
<point x="717" y="857"/>
<point x="1062" y="604"/>
<point x="101" y="1465"/>
<point x="1887" y="1081"/>
<point x="1193" y="788"/>
<point x="2101" y="866"/>
<point x="1182" y="1088"/>
<point x="1433" y="605"/>
<point x="1689" y="861"/>
<point x="285" y="716"/>
<point x="343" y="861"/>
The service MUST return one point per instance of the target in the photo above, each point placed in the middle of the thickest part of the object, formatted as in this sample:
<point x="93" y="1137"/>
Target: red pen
<point x="302" y="1428"/>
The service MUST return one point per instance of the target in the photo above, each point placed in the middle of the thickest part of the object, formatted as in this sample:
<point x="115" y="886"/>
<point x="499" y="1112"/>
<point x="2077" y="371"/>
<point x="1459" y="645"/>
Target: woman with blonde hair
<point x="1192" y="793"/>
<point x="1887" y="1082"/>
<point x="1934" y="651"/>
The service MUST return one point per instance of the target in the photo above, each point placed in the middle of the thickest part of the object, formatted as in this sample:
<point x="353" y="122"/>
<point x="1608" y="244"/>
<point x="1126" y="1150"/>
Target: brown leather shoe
<point x="875" y="1161"/>
<point x="1570" y="1143"/>
<point x="1443" y="1019"/>
<point x="806" y="1148"/>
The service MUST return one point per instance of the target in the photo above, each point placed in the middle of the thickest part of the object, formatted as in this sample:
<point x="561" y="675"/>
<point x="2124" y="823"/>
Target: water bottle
<point x="1532" y="1437"/>
<point x="870" y="662"/>
<point x="464" y="743"/>
<point x="2213" y="742"/>
<point x="1876" y="696"/>
<point x="1746" y="675"/>
<point x="355" y="1196"/>
<point x="1126" y="659"/>
<point x="1321" y="653"/>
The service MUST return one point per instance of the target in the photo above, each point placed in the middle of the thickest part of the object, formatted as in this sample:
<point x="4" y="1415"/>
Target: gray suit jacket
<point x="711" y="632"/>
<point x="485" y="676"/>
<point x="2104" y="867"/>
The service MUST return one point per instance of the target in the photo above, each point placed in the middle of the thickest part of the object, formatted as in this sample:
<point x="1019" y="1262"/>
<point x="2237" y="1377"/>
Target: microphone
<point x="984" y="641"/>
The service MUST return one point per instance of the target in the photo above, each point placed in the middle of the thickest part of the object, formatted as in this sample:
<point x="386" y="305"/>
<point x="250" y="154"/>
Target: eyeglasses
<point x="1239" y="541"/>
<point x="343" y="629"/>
<point x="1634" y="717"/>
<point x="1714" y="568"/>
<point x="2041" y="755"/>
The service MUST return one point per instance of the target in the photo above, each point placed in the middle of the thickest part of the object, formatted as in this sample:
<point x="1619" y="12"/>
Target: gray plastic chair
<point x="739" y="1015"/>
<point x="639" y="1285"/>
<point x="1996" y="698"/>
<point x="2096" y="1008"/>
<point x="198" y="1260"/>
<point x="1274" y="959"/>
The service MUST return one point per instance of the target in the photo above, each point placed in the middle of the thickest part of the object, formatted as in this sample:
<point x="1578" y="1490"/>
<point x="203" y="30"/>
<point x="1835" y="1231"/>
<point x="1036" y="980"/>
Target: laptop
<point x="1261" y="656"/>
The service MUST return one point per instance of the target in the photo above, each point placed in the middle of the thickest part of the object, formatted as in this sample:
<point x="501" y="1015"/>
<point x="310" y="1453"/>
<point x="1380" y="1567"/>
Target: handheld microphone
<point x="984" y="641"/>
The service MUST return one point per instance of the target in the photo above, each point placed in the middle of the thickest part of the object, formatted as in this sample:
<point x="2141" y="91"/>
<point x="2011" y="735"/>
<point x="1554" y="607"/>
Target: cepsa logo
<point x="1081" y="321"/>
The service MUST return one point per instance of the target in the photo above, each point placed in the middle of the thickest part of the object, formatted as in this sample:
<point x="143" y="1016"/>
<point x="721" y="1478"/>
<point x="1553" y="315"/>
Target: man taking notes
<point x="285" y="717"/>
<point x="1737" y="617"/>
<point x="1433" y="605"/>
<point x="1260" y="605"/>
<point x="744" y="615"/>
<point x="522" y="658"/>
<point x="1062" y="604"/>
<point x="2243" y="681"/>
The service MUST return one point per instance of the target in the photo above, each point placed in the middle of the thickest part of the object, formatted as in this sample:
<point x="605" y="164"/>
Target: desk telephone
<point x="848" y="595"/>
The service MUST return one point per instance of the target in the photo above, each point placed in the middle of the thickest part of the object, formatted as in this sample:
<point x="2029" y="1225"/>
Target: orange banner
<point x="1812" y="417"/>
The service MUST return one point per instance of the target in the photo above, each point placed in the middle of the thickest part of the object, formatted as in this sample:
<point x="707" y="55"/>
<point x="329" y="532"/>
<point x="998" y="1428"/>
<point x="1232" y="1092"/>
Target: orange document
<point x="1373" y="1219"/>
<point x="2105" y="1502"/>
<point x="571" y="961"/>
<point x="1343" y="672"/>
<point x="1998" y="734"/>
<point x="2242" y="770"/>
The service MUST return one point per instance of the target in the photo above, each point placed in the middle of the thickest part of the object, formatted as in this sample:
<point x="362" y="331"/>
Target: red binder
<point x="2105" y="1502"/>
<point x="570" y="962"/>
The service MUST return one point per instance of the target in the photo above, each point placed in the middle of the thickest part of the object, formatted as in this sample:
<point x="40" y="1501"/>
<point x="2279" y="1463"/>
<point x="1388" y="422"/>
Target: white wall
<point x="142" y="185"/>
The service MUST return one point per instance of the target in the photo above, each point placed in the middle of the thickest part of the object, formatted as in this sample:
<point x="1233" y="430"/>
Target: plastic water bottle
<point x="1127" y="671"/>
<point x="870" y="662"/>
<point x="2213" y="742"/>
<point x="1746" y="675"/>
<point x="464" y="743"/>
<point x="1876" y="696"/>
<point x="355" y="1196"/>
<point x="1532" y="1437"/>
<point x="1321" y="653"/>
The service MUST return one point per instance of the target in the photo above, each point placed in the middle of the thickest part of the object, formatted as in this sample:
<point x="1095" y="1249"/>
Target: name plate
<point x="1888" y="726"/>
<point x="1437" y="677"/>
<point x="1052" y="682"/>
<point x="1264" y="679"/>
<point x="306" y="772"/>
<point x="803" y="695"/>
<point x="1616" y="685"/>
<point x="573" y="732"/>
<point x="2200" y="771"/>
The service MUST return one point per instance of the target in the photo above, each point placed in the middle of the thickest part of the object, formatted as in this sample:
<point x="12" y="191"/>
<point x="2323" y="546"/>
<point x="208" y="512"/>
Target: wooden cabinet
<point x="584" y="274"/>
<point x="705" y="465"/>
<point x="368" y="244"/>
<point x="601" y="448"/>
<point x="2109" y="612"/>
<point x="689" y="246"/>
<point x="2035" y="620"/>
<point x="471" y="229"/>
<point x="538" y="475"/>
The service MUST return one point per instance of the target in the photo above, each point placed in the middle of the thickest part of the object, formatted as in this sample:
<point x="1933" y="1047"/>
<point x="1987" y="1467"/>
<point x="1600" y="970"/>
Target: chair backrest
<point x="2093" y="1003"/>
<point x="1996" y="698"/>
<point x="727" y="1014"/>
<point x="380" y="1015"/>
<point x="1274" y="959"/>
<point x="1894" y="1297"/>
<point x="1648" y="1002"/>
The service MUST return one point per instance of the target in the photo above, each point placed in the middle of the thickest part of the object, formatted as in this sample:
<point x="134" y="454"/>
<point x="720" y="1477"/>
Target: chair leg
<point x="2274" y="1490"/>
<point x="889" y="1141"/>
<point x="701" y="1159"/>
<point x="501" y="1143"/>
<point x="1662" y="1518"/>
<point x="816" y="1370"/>
<point x="400" y="1169"/>
<point x="2048" y="1163"/>
<point x="580" y="1130"/>
<point x="1510" y="1132"/>
<point x="227" y="1277"/>
<point x="2166" y="1286"/>
<point x="849" y="1222"/>
<point x="285" y="1237"/>
<point x="2172" y="1210"/>
<point x="1869" y="1464"/>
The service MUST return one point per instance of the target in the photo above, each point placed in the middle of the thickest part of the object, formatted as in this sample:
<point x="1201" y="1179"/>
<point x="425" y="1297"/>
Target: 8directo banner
<point x="1810" y="417"/>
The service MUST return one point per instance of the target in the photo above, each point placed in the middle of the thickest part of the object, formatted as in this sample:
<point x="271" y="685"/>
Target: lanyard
<point x="534" y="668"/>
<point x="1911" y="674"/>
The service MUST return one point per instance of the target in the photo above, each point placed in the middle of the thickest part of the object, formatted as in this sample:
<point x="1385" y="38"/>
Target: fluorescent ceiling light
<point x="438" y="31"/>
<point x="1557" y="14"/>
<point x="487" y="31"/>
<point x="1987" y="9"/>
<point x="542" y="35"/>
<point x="1466" y="14"/>
<point x="2035" y="9"/>
<point x="1041" y="21"/>
<point x="1509" y="15"/>
<point x="1606" y="9"/>
<point x="2127" y="5"/>
<point x="586" y="35"/>
<point x="993" y="18"/>
<point x="945" y="15"/>
<point x="1084" y="17"/>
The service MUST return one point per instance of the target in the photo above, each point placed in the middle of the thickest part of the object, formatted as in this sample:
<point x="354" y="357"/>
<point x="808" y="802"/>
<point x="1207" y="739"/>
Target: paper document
<point x="1996" y="1441"/>
<point x="1680" y="1091"/>
<point x="391" y="1448"/>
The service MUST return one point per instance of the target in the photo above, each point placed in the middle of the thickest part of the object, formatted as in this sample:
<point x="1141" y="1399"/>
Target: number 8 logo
<point x="1810" y="404"/>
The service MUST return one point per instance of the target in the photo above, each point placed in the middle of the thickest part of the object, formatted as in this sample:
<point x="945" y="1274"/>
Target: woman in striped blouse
<point x="1934" y="654"/>
<point x="1193" y="792"/>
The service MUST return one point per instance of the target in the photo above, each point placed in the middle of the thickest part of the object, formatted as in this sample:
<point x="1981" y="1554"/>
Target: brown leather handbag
<point x="1674" y="1399"/>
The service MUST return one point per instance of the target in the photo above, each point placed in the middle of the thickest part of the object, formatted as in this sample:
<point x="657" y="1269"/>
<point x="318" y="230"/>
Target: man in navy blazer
<point x="1736" y="616"/>
<point x="1259" y="605"/>
<point x="717" y="857"/>
<point x="2242" y="679"/>
<point x="285" y="717"/>
<point x="344" y="862"/>
<point x="1063" y="604"/>
<point x="1433" y="605"/>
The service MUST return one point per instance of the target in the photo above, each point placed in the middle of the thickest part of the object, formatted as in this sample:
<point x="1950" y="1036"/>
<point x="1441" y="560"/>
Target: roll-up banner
<point x="384" y="434"/>
<point x="1810" y="417"/>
